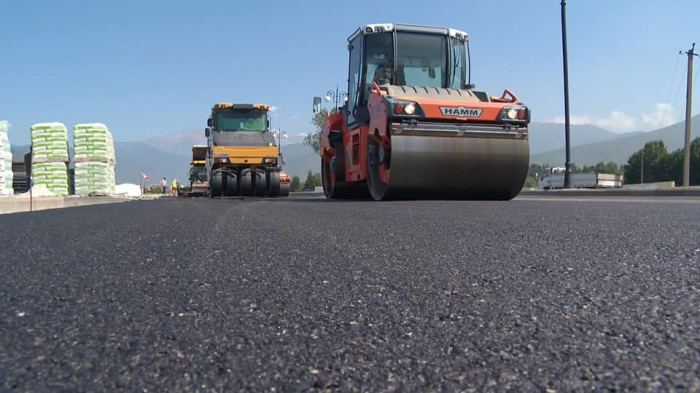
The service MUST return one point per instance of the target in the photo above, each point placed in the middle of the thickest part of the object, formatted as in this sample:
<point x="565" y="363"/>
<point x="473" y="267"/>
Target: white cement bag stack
<point x="94" y="159"/>
<point x="5" y="160"/>
<point x="50" y="156"/>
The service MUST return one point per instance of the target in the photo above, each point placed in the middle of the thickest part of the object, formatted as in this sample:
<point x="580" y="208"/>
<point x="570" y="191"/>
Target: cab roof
<point x="227" y="105"/>
<point x="384" y="27"/>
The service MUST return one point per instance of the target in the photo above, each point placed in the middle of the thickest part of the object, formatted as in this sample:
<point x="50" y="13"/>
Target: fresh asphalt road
<point x="308" y="294"/>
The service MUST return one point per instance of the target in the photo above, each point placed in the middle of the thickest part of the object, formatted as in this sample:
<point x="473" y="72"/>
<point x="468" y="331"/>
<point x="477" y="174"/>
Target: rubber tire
<point x="259" y="183"/>
<point x="245" y="184"/>
<point x="231" y="184"/>
<point x="272" y="179"/>
<point x="216" y="184"/>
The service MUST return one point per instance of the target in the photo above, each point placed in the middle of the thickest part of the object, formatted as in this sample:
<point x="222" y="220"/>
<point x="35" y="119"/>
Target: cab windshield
<point x="428" y="60"/>
<point x="241" y="120"/>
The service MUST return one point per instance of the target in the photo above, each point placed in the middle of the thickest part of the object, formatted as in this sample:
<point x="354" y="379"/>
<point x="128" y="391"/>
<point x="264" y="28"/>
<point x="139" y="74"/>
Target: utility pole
<point x="567" y="122"/>
<point x="688" y="107"/>
<point x="642" y="180"/>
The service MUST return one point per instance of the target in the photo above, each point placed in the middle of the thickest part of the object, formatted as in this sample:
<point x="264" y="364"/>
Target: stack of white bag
<point x="5" y="161"/>
<point x="94" y="159"/>
<point x="50" y="156"/>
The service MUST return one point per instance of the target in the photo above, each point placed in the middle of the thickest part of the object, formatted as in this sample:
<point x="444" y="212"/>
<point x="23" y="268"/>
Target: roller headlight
<point x="410" y="109"/>
<point x="403" y="108"/>
<point x="519" y="114"/>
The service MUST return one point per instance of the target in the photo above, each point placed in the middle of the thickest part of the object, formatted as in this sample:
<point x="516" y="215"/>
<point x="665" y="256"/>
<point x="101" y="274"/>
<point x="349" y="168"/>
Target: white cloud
<point x="661" y="117"/>
<point x="621" y="122"/>
<point x="273" y="109"/>
<point x="302" y="134"/>
<point x="575" y="120"/>
<point x="616" y="121"/>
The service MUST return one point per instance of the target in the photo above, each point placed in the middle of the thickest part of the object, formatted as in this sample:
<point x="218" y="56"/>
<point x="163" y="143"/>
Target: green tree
<point x="602" y="167"/>
<point x="536" y="170"/>
<point x="673" y="165"/>
<point x="657" y="165"/>
<point x="312" y="180"/>
<point x="530" y="182"/>
<point x="695" y="162"/>
<point x="312" y="139"/>
<point x="295" y="185"/>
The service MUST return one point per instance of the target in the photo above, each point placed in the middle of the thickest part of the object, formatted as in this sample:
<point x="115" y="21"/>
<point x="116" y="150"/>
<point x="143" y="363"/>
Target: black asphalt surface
<point x="307" y="294"/>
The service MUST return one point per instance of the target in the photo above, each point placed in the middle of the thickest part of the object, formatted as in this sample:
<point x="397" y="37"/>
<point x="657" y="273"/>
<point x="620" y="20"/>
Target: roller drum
<point x="455" y="167"/>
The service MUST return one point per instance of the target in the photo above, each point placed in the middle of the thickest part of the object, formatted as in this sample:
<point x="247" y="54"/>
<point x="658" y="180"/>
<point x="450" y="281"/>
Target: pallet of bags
<point x="94" y="159"/>
<point x="6" y="174"/>
<point x="49" y="142"/>
<point x="93" y="177"/>
<point x="54" y="175"/>
<point x="93" y="143"/>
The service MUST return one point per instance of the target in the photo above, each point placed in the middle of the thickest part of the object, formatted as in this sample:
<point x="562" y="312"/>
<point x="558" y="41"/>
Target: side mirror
<point x="267" y="123"/>
<point x="210" y="122"/>
<point x="207" y="132"/>
<point x="317" y="105"/>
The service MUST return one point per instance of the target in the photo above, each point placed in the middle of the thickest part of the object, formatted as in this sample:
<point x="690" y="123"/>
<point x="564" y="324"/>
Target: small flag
<point x="145" y="177"/>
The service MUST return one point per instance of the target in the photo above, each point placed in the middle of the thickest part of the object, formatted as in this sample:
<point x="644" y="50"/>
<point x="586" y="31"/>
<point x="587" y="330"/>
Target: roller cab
<point x="414" y="127"/>
<point x="242" y="157"/>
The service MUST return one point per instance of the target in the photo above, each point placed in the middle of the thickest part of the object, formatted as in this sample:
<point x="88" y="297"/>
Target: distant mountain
<point x="550" y="136"/>
<point x="136" y="157"/>
<point x="619" y="149"/>
<point x="18" y="151"/>
<point x="298" y="159"/>
<point x="180" y="142"/>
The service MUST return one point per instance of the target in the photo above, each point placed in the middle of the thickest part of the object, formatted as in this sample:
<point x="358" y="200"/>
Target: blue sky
<point x="149" y="68"/>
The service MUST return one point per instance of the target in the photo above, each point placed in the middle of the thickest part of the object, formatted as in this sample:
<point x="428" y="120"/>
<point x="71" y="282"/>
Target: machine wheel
<point x="272" y="179"/>
<point x="378" y="165"/>
<point x="284" y="189"/>
<point x="246" y="183"/>
<point x="259" y="183"/>
<point x="230" y="184"/>
<point x="216" y="185"/>
<point x="333" y="172"/>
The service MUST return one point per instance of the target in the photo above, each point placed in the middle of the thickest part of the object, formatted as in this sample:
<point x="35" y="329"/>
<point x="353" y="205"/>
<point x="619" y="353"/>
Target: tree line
<point x="654" y="163"/>
<point x="312" y="180"/>
<point x="650" y="164"/>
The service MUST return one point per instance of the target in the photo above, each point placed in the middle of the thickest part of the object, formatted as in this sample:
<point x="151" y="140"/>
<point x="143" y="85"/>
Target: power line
<point x="680" y="84"/>
<point x="668" y="98"/>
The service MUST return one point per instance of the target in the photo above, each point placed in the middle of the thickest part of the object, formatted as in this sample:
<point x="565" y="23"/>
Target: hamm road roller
<point x="242" y="157"/>
<point x="414" y="127"/>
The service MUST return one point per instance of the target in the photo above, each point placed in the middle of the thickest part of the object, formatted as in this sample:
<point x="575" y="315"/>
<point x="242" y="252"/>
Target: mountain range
<point x="169" y="155"/>
<point x="618" y="149"/>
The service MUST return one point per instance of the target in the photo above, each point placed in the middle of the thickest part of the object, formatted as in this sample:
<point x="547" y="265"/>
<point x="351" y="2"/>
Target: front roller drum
<point x="446" y="167"/>
<point x="285" y="188"/>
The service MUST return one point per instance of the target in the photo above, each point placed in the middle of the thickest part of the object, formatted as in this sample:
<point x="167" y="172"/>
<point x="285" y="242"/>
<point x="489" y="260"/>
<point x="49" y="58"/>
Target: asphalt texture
<point x="305" y="294"/>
